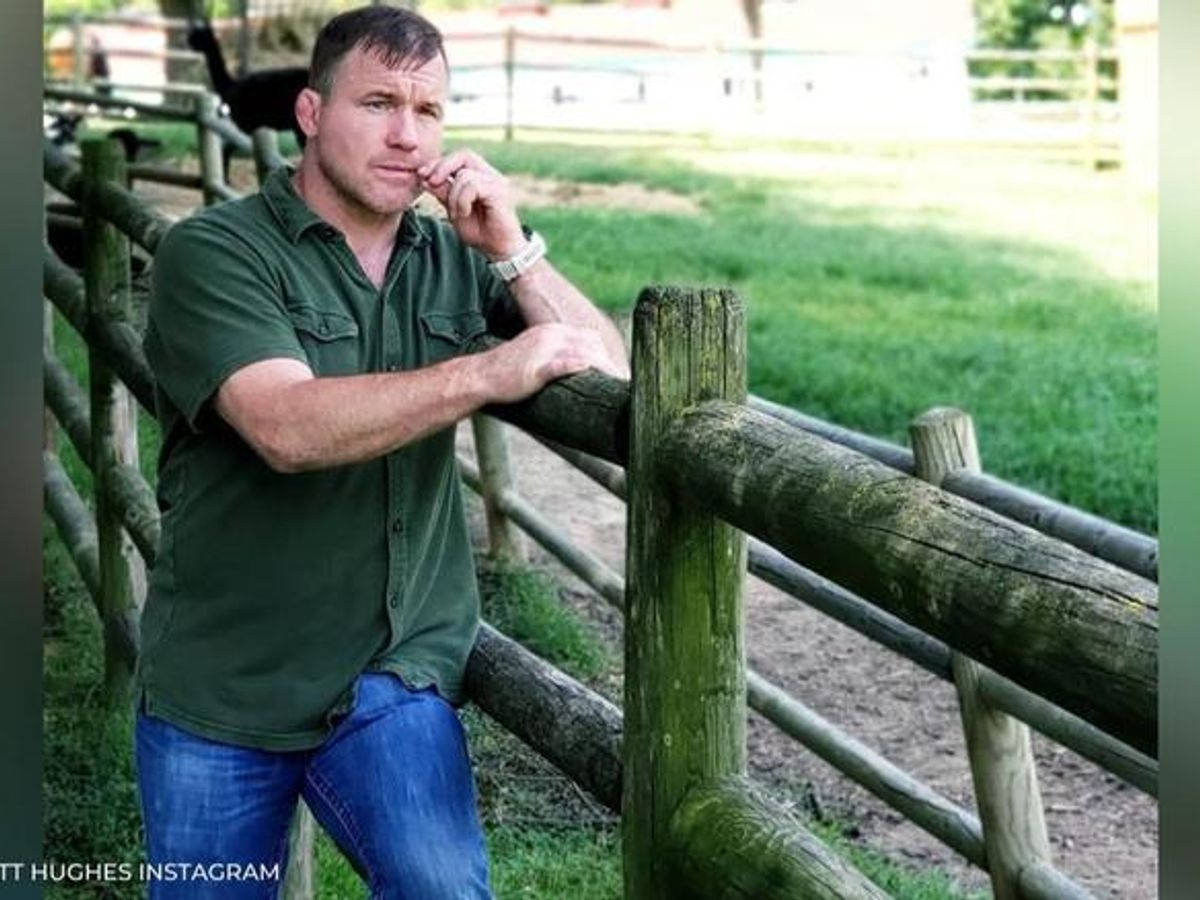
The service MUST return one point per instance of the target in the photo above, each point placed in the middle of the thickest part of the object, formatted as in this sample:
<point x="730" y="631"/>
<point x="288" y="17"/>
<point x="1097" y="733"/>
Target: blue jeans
<point x="391" y="785"/>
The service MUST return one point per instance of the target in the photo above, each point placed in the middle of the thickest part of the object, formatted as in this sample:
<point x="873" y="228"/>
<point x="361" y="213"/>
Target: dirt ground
<point x="1103" y="833"/>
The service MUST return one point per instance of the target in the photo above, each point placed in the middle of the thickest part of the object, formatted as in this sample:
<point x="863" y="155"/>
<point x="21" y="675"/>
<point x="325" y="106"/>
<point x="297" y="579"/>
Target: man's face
<point x="377" y="126"/>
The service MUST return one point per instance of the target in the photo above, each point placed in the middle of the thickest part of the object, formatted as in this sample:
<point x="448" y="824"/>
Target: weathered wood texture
<point x="212" y="166"/>
<point x="606" y="583"/>
<point x="119" y="206"/>
<point x="266" y="152"/>
<point x="730" y="842"/>
<point x="77" y="529"/>
<point x="685" y="689"/>
<point x="933" y="655"/>
<point x="298" y="881"/>
<point x="567" y="723"/>
<point x="1079" y="630"/>
<point x="1122" y="546"/>
<point x="161" y="175"/>
<point x="106" y="285"/>
<point x="998" y="746"/>
<point x="945" y="820"/>
<point x="939" y="816"/>
<point x="505" y="540"/>
<point x="588" y="411"/>
<point x="117" y="343"/>
<point x="131" y="496"/>
<point x="49" y="428"/>
<point x="1044" y="882"/>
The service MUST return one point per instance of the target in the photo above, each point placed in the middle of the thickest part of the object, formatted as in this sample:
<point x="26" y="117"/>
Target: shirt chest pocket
<point x="330" y="339"/>
<point x="448" y="334"/>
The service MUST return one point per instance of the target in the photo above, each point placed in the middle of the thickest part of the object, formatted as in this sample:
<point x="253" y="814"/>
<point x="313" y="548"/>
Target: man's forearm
<point x="544" y="295"/>
<point x="321" y="422"/>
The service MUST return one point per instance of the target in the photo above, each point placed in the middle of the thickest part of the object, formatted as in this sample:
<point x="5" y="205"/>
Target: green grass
<point x="524" y="604"/>
<point x="867" y="315"/>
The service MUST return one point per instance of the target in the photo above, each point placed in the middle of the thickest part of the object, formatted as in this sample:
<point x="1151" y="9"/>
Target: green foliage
<point x="1028" y="25"/>
<point x="524" y="604"/>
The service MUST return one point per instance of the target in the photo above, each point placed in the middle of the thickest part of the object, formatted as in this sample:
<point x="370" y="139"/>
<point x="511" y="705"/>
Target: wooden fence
<point x="1057" y="101"/>
<point x="1032" y="629"/>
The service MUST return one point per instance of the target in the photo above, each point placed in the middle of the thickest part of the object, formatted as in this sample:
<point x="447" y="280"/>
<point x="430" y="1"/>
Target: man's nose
<point x="402" y="129"/>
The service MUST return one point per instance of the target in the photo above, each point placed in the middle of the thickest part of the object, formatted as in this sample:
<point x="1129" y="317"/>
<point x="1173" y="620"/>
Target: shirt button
<point x="393" y="367"/>
<point x="397" y="525"/>
<point x="393" y="601"/>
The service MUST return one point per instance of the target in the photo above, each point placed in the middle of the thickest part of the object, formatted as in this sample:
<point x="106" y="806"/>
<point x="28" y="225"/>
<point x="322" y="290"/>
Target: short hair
<point x="394" y="34"/>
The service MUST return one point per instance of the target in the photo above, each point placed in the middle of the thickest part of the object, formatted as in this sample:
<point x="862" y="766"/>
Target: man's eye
<point x="431" y="112"/>
<point x="378" y="104"/>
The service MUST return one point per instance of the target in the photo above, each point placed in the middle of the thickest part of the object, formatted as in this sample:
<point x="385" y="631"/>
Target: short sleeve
<point x="214" y="308"/>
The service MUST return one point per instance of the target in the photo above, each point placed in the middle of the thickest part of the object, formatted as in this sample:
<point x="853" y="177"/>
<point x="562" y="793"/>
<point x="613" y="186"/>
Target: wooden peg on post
<point x="999" y="748"/>
<point x="106" y="286"/>
<point x="685" y="680"/>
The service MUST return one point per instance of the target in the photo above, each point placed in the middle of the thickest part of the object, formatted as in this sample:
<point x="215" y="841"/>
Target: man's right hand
<point x="539" y="355"/>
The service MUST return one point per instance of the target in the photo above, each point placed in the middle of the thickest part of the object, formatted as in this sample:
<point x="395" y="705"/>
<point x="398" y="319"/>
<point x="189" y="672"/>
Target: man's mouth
<point x="396" y="169"/>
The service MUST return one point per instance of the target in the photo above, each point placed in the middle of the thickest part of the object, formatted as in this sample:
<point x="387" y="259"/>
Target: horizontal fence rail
<point x="832" y="600"/>
<point x="1099" y="537"/>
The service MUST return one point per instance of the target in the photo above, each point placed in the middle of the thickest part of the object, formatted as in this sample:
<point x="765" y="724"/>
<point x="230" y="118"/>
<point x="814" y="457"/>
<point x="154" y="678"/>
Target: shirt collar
<point x="295" y="218"/>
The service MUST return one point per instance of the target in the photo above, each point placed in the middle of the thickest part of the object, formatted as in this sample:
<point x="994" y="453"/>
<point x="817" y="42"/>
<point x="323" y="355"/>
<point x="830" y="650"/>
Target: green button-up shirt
<point x="272" y="591"/>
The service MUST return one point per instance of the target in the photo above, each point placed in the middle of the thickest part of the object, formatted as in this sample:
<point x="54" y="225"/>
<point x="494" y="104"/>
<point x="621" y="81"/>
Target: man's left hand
<point x="478" y="201"/>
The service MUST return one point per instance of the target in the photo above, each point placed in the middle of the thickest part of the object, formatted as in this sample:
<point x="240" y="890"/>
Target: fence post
<point x="49" y="429"/>
<point x="106" y="285"/>
<point x="266" y="148"/>
<point x="505" y="540"/>
<point x="685" y="674"/>
<point x="212" y="163"/>
<point x="78" y="51"/>
<point x="1092" y="104"/>
<point x="510" y="62"/>
<point x="998" y="746"/>
<point x="298" y="882"/>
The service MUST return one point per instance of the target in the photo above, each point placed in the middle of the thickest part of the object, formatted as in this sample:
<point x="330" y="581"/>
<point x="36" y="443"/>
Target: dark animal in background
<point x="61" y="128"/>
<point x="263" y="98"/>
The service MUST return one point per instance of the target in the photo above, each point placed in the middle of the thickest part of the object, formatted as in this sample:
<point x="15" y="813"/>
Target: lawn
<point x="877" y="288"/>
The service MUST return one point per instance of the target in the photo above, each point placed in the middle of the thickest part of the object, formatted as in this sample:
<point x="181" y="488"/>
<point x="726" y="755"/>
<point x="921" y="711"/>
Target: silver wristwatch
<point x="508" y="269"/>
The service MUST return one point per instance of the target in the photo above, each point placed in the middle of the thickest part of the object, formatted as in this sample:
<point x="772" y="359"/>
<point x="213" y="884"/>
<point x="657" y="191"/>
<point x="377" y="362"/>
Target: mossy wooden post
<point x="1002" y="766"/>
<point x="266" y="148"/>
<point x="510" y="65"/>
<point x="212" y="164"/>
<point x="298" y="881"/>
<point x="106" y="287"/>
<point x="505" y="540"/>
<point x="685" y="681"/>
<point x="49" y="430"/>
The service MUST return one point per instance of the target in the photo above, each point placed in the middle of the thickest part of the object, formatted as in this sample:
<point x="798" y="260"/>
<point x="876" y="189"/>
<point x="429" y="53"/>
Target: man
<point x="314" y="603"/>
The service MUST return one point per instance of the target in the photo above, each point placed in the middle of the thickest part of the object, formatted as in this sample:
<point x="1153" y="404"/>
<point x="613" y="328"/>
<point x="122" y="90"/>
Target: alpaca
<point x="266" y="97"/>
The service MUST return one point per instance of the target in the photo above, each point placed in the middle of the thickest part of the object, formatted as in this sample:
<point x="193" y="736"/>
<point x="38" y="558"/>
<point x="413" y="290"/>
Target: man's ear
<point x="308" y="109"/>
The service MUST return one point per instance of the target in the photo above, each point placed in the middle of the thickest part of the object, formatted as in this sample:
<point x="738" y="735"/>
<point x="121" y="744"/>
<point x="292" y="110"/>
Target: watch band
<point x="508" y="269"/>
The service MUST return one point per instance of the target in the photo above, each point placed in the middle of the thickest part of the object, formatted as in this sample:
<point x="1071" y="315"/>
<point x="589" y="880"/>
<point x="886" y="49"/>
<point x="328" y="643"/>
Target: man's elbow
<point x="277" y="449"/>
